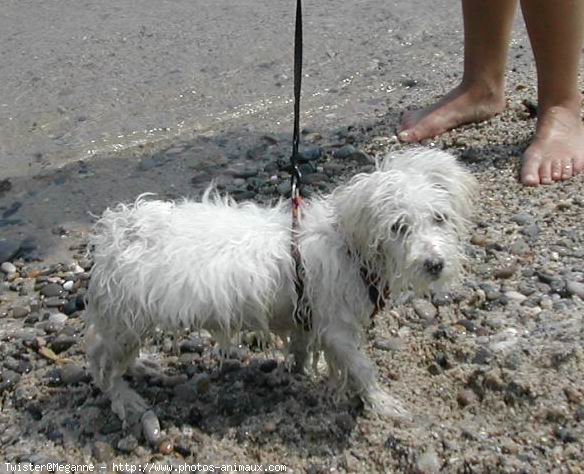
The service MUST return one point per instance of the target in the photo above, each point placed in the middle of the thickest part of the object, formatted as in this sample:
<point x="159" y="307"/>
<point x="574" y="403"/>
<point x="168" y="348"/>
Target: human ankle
<point x="484" y="88"/>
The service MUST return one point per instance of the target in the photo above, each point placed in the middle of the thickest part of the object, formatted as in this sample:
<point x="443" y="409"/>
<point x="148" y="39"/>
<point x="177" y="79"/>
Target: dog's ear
<point x="448" y="175"/>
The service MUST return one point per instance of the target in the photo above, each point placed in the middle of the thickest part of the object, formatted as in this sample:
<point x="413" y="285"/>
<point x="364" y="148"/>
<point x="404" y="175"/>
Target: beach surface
<point x="101" y="102"/>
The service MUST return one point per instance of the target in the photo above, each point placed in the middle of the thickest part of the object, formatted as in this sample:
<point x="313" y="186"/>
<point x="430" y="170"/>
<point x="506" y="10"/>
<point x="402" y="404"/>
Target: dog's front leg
<point x="348" y="364"/>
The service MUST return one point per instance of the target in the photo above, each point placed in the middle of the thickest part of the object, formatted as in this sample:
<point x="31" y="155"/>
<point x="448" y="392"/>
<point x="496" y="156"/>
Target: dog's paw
<point x="384" y="404"/>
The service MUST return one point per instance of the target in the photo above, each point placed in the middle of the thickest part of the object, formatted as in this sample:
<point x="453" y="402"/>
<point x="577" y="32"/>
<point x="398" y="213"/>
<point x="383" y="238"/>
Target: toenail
<point x="403" y="135"/>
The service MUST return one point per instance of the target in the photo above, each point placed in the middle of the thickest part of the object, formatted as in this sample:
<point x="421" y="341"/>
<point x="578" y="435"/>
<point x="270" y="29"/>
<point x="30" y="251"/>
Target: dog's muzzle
<point x="434" y="266"/>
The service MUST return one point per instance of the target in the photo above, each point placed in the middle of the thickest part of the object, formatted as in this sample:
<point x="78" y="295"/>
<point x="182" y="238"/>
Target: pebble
<point x="515" y="296"/>
<point x="268" y="365"/>
<point x="531" y="230"/>
<point x="62" y="343"/>
<point x="165" y="447"/>
<point x="428" y="462"/>
<point x="575" y="288"/>
<point x="68" y="285"/>
<point x="523" y="218"/>
<point x="505" y="272"/>
<point x="71" y="374"/>
<point x="52" y="290"/>
<point x="311" y="153"/>
<point x="424" y="309"/>
<point x="127" y="444"/>
<point x="519" y="247"/>
<point x="58" y="318"/>
<point x="54" y="302"/>
<point x="344" y="152"/>
<point x="466" y="397"/>
<point x="8" y="268"/>
<point x="390" y="344"/>
<point x="151" y="428"/>
<point x="20" y="312"/>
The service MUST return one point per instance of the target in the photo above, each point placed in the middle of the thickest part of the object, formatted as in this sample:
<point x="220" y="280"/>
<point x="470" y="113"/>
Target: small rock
<point x="390" y="344"/>
<point x="344" y="152"/>
<point x="68" y="285"/>
<point x="19" y="312"/>
<point x="531" y="231"/>
<point x="482" y="356"/>
<point x="62" y="343"/>
<point x="268" y="365"/>
<point x="8" y="268"/>
<point x="468" y="325"/>
<point x="566" y="435"/>
<point x="311" y="153"/>
<point x="52" y="290"/>
<point x="428" y="462"/>
<point x="575" y="288"/>
<point x="515" y="296"/>
<point x="70" y="307"/>
<point x="58" y="318"/>
<point x="165" y="447"/>
<point x="102" y="452"/>
<point x="127" y="444"/>
<point x="54" y="302"/>
<point x="466" y="397"/>
<point x="519" y="247"/>
<point x="572" y="395"/>
<point x="523" y="218"/>
<point x="71" y="374"/>
<point x="505" y="272"/>
<point x="424" y="309"/>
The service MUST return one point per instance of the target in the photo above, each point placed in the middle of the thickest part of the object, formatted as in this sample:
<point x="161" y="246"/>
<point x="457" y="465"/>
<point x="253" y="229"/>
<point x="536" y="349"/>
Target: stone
<point x="62" y="343"/>
<point x="523" y="218"/>
<point x="390" y="344"/>
<point x="575" y="288"/>
<point x="428" y="462"/>
<point x="58" y="318"/>
<point x="424" y="309"/>
<point x="8" y="268"/>
<point x="127" y="444"/>
<point x="71" y="374"/>
<point x="515" y="296"/>
<point x="20" y="312"/>
<point x="52" y="290"/>
<point x="505" y="272"/>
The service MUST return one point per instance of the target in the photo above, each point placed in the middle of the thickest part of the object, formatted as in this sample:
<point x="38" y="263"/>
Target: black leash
<point x="296" y="175"/>
<point x="302" y="314"/>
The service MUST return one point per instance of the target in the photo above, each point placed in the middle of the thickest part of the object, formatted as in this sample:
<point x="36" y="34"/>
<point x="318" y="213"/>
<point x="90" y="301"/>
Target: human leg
<point x="556" y="32"/>
<point x="480" y="95"/>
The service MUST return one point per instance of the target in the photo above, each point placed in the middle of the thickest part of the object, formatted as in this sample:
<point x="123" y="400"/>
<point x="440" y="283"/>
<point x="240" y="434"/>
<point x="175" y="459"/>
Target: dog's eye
<point x="440" y="218"/>
<point x="400" y="227"/>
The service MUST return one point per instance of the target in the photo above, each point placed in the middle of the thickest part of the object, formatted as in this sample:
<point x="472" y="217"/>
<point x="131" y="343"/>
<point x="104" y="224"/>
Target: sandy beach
<point x="98" y="111"/>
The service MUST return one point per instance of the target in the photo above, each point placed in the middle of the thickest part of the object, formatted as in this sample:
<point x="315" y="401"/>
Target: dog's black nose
<point x="434" y="266"/>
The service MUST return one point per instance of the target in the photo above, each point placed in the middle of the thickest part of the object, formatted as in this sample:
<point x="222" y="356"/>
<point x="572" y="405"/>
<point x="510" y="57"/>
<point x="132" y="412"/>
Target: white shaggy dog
<point x="224" y="266"/>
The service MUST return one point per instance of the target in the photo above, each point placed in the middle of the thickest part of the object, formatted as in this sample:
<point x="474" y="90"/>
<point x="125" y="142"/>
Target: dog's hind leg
<point x="110" y="354"/>
<point x="299" y="348"/>
<point x="353" y="369"/>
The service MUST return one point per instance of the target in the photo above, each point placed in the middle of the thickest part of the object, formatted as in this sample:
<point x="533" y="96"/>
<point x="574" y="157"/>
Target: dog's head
<point x="407" y="220"/>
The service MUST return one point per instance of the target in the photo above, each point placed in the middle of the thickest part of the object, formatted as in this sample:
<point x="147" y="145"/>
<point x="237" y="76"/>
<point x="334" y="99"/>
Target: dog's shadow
<point x="258" y="401"/>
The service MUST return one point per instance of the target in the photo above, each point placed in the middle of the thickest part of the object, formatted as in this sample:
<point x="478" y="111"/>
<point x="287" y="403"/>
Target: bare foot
<point x="557" y="151"/>
<point x="464" y="104"/>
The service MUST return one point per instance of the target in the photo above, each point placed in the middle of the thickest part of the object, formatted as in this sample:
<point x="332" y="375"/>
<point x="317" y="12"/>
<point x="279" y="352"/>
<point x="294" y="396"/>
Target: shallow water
<point x="80" y="80"/>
